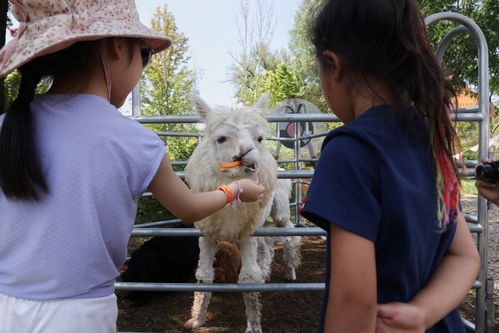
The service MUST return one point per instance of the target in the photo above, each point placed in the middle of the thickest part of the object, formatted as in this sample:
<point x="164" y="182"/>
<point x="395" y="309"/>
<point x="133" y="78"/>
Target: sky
<point x="211" y="26"/>
<point x="212" y="29"/>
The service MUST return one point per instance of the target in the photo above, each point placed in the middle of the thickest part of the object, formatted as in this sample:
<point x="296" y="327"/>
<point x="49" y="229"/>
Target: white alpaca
<point x="233" y="135"/>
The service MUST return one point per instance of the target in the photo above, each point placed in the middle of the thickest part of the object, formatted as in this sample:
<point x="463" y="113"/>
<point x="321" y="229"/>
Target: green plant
<point x="468" y="187"/>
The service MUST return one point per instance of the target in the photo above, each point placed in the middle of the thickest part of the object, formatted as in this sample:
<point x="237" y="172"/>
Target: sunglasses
<point x="146" y="54"/>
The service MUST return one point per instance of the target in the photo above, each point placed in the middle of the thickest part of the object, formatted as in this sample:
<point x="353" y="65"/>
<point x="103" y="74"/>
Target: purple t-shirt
<point x="97" y="163"/>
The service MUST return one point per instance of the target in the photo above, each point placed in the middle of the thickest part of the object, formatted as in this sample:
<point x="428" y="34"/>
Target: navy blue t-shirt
<point x="375" y="179"/>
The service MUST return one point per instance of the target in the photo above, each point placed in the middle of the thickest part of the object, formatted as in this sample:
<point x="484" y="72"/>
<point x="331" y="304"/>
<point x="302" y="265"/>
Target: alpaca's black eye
<point x="221" y="139"/>
<point x="260" y="138"/>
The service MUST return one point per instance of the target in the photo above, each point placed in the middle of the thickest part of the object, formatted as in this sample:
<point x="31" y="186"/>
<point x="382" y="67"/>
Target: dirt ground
<point x="282" y="312"/>
<point x="468" y="306"/>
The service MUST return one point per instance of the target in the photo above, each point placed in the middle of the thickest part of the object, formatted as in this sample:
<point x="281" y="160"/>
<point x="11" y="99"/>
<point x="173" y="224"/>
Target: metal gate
<point x="484" y="315"/>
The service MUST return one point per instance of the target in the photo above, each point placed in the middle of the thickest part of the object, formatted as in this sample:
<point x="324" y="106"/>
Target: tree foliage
<point x="11" y="87"/>
<point x="168" y="82"/>
<point x="280" y="83"/>
<point x="460" y="62"/>
<point x="461" y="59"/>
<point x="257" y="69"/>
<point x="248" y="71"/>
<point x="255" y="58"/>
<point x="303" y="60"/>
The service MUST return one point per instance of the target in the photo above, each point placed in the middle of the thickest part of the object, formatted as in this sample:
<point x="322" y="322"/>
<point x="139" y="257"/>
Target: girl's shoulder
<point x="385" y="127"/>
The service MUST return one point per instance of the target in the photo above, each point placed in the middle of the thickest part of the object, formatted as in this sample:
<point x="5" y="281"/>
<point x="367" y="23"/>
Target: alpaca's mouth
<point x="250" y="167"/>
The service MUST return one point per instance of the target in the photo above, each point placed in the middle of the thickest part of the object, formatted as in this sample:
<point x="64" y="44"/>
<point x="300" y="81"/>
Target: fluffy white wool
<point x="241" y="128"/>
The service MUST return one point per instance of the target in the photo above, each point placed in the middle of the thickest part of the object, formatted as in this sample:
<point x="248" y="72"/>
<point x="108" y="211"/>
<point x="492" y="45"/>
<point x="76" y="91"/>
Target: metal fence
<point x="484" y="314"/>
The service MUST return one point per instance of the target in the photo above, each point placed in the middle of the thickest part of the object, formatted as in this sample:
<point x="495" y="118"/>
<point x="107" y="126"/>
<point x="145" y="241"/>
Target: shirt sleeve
<point x="345" y="187"/>
<point x="158" y="151"/>
<point x="141" y="154"/>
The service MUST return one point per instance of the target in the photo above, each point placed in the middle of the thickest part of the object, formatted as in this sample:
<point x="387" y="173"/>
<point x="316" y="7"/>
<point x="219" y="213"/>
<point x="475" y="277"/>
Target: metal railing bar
<point x="470" y="172"/>
<point x="280" y="174"/>
<point x="226" y="287"/>
<point x="468" y="325"/>
<point x="476" y="228"/>
<point x="180" y="134"/>
<point x="471" y="218"/>
<point x="469" y="109"/>
<point x="300" y="160"/>
<point x="483" y="318"/>
<point x="303" y="137"/>
<point x="291" y="117"/>
<point x="469" y="163"/>
<point x="442" y="47"/>
<point x="193" y="232"/>
<point x="290" y="174"/>
<point x="158" y="223"/>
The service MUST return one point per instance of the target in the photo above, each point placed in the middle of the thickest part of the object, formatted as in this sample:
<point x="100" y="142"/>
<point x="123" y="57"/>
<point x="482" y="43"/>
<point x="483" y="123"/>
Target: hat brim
<point x="56" y="37"/>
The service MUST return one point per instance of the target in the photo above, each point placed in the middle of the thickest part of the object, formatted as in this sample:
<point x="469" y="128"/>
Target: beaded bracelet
<point x="239" y="191"/>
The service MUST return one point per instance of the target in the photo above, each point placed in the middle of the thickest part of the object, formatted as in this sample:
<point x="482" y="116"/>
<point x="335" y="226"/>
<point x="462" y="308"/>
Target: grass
<point x="468" y="187"/>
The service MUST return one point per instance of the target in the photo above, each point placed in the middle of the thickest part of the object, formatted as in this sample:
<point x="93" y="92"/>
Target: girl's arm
<point x="352" y="285"/>
<point x="174" y="195"/>
<point x="444" y="291"/>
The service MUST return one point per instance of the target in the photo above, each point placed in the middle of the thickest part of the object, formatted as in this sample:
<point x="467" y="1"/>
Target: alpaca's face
<point x="235" y="135"/>
<point x="233" y="141"/>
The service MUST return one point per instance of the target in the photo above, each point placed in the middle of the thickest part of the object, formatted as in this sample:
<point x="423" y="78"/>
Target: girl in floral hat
<point x="72" y="168"/>
<point x="400" y="255"/>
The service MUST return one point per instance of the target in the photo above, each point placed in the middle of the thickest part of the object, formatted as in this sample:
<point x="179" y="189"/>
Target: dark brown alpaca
<point x="227" y="263"/>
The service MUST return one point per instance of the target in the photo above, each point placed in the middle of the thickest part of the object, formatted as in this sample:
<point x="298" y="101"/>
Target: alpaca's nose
<point x="242" y="154"/>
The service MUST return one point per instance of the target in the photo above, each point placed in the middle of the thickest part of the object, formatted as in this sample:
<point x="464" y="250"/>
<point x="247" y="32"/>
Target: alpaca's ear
<point x="200" y="105"/>
<point x="263" y="102"/>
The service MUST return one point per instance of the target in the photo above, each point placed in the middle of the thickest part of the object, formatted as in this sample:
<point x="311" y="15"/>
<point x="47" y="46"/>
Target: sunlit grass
<point x="468" y="187"/>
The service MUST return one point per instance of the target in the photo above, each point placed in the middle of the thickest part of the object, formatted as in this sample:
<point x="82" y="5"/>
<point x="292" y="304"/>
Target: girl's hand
<point x="489" y="191"/>
<point x="252" y="190"/>
<point x="400" y="318"/>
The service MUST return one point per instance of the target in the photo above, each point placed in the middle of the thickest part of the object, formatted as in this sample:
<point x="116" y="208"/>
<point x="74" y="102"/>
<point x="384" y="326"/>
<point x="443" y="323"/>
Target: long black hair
<point x="21" y="174"/>
<point x="386" y="40"/>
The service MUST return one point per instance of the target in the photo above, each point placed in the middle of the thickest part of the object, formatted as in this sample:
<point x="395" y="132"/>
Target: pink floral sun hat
<point x="48" y="26"/>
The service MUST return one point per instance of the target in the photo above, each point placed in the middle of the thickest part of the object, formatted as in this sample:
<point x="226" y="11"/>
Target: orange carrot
<point x="230" y="165"/>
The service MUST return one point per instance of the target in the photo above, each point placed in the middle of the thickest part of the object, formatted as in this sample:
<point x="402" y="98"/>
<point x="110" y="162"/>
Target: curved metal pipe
<point x="483" y="97"/>
<point x="442" y="47"/>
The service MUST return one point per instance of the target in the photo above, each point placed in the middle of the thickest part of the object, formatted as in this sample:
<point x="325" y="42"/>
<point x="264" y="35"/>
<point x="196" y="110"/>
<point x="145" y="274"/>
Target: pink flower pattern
<point x="55" y="24"/>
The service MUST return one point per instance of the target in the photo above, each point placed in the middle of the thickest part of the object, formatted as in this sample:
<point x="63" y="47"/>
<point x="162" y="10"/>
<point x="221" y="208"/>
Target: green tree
<point x="255" y="57"/>
<point x="167" y="81"/>
<point x="281" y="83"/>
<point x="461" y="61"/>
<point x="303" y="60"/>
<point x="11" y="87"/>
<point x="167" y="84"/>
<point x="249" y="70"/>
<point x="165" y="90"/>
<point x="461" y="58"/>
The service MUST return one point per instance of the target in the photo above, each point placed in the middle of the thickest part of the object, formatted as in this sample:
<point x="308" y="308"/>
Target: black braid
<point x="20" y="171"/>
<point x="21" y="174"/>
